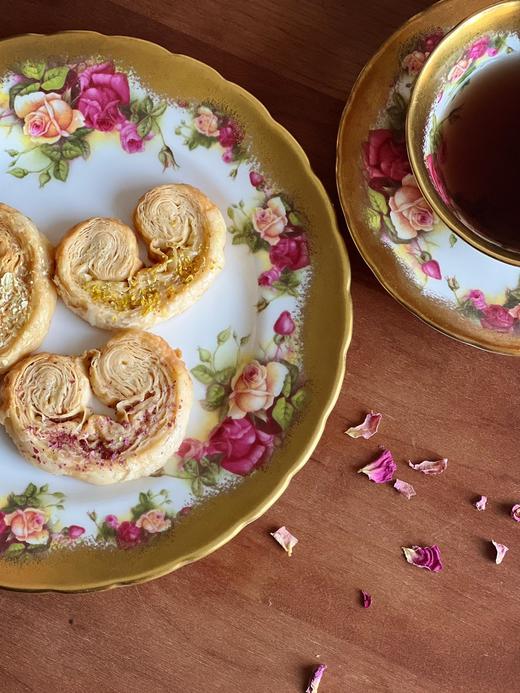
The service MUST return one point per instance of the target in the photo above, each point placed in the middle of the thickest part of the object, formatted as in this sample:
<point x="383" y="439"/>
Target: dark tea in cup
<point x="479" y="155"/>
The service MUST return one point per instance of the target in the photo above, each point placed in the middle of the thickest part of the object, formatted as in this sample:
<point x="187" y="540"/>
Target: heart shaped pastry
<point x="100" y="276"/>
<point x="27" y="295"/>
<point x="44" y="405"/>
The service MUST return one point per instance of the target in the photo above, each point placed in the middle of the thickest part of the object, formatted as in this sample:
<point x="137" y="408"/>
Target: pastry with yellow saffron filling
<point x="27" y="295"/>
<point x="44" y="405"/>
<point x="100" y="276"/>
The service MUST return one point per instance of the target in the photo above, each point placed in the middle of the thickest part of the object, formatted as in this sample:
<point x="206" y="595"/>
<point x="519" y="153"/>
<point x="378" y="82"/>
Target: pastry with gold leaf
<point x="101" y="277"/>
<point x="27" y="295"/>
<point x="44" y="405"/>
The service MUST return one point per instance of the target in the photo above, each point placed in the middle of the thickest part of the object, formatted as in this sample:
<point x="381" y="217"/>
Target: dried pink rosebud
<point x="404" y="488"/>
<point x="481" y="503"/>
<point x="286" y="540"/>
<point x="366" y="599"/>
<point x="314" y="683"/>
<point x="501" y="550"/>
<point x="427" y="557"/>
<point x="381" y="469"/>
<point x="515" y="513"/>
<point x="430" y="467"/>
<point x="367" y="428"/>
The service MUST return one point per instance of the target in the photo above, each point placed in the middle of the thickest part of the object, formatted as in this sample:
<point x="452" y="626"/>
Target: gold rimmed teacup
<point x="489" y="35"/>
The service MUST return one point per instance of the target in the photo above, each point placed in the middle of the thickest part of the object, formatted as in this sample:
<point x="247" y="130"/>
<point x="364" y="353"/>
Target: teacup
<point x="437" y="101"/>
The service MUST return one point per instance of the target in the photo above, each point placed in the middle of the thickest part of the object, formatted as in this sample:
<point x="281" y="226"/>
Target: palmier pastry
<point x="27" y="295"/>
<point x="99" y="273"/>
<point x="44" y="405"/>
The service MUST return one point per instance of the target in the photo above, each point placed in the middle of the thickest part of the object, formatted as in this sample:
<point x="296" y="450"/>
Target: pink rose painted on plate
<point x="254" y="388"/>
<point x="242" y="446"/>
<point x="497" y="318"/>
<point x="47" y="117"/>
<point x="103" y="91"/>
<point x="409" y="211"/>
<point x="290" y="252"/>
<point x="385" y="158"/>
<point x="206" y="122"/>
<point x="270" y="221"/>
<point x="154" y="521"/>
<point x="28" y="525"/>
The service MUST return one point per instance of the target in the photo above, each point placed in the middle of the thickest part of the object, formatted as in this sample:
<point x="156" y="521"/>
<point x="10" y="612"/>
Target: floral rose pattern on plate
<point x="28" y="522"/>
<point x="251" y="387"/>
<point x="59" y="106"/>
<point x="206" y="126"/>
<point x="256" y="400"/>
<point x="396" y="209"/>
<point x="151" y="516"/>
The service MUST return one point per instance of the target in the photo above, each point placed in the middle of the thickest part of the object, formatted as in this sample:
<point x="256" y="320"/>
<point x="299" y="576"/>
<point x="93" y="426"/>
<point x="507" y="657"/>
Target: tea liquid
<point x="480" y="158"/>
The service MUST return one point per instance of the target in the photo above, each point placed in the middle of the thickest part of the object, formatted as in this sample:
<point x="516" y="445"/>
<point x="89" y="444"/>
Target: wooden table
<point x="248" y="619"/>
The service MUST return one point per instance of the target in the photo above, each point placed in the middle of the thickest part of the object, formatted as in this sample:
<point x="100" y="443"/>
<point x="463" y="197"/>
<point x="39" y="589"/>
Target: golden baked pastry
<point x="27" y="295"/>
<point x="44" y="405"/>
<point x="100" y="276"/>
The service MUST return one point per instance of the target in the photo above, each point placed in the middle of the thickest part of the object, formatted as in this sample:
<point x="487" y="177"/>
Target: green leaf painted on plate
<point x="18" y="172"/>
<point x="203" y="374"/>
<point x="71" y="150"/>
<point x="224" y="376"/>
<point x="60" y="170"/>
<point x="82" y="132"/>
<point x="51" y="152"/>
<point x="453" y="239"/>
<point x="204" y="355"/>
<point x="377" y="201"/>
<point x="282" y="413"/>
<point x="14" y="549"/>
<point x="373" y="219"/>
<point x="215" y="395"/>
<point x="144" y="127"/>
<point x="54" y="78"/>
<point x="197" y="486"/>
<point x="44" y="178"/>
<point x="147" y="104"/>
<point x="287" y="386"/>
<point x="223" y="336"/>
<point x="299" y="398"/>
<point x="293" y="370"/>
<point x="33" y="70"/>
<point x="29" y="88"/>
<point x="159" y="109"/>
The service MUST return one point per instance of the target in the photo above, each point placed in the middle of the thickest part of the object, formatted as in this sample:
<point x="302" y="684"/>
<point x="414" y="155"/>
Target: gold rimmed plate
<point x="438" y="276"/>
<point x="133" y="115"/>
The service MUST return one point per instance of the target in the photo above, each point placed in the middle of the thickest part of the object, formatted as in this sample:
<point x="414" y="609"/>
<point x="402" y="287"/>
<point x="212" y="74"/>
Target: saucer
<point x="416" y="257"/>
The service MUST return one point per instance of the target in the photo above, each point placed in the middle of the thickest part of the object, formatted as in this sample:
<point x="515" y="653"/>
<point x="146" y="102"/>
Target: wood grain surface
<point x="248" y="619"/>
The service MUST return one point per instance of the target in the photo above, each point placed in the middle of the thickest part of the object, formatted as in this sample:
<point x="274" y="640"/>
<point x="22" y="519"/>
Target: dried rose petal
<point x="431" y="467"/>
<point x="404" y="488"/>
<point x="428" y="557"/>
<point x="501" y="551"/>
<point x="286" y="540"/>
<point x="367" y="428"/>
<point x="515" y="513"/>
<point x="481" y="503"/>
<point x="367" y="599"/>
<point x="314" y="683"/>
<point x="381" y="469"/>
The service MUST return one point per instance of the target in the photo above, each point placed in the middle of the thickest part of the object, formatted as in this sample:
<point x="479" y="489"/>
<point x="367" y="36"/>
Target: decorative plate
<point x="438" y="276"/>
<point x="105" y="119"/>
